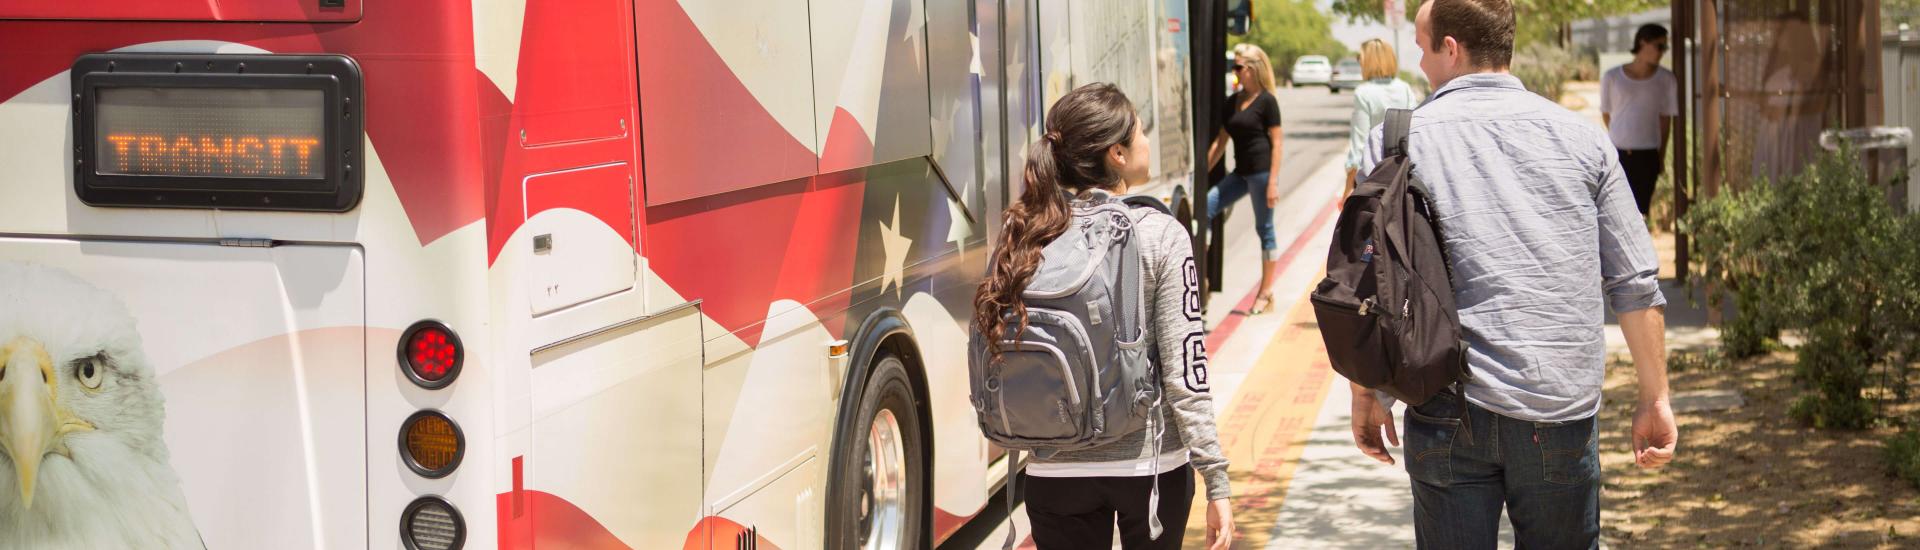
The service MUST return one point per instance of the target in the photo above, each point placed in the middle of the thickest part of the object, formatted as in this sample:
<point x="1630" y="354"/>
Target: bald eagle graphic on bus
<point x="80" y="422"/>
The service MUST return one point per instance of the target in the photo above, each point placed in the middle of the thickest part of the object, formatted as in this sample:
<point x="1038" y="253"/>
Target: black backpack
<point x="1386" y="308"/>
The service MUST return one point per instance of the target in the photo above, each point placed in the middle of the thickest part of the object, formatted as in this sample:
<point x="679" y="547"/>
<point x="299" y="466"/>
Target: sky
<point x="1353" y="34"/>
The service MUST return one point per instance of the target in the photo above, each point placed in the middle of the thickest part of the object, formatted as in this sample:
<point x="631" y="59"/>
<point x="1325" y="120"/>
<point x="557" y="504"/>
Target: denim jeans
<point x="1467" y="462"/>
<point x="1235" y="187"/>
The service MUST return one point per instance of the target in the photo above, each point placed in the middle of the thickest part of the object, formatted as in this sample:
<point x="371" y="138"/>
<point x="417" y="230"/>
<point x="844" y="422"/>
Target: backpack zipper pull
<point x="1366" y="305"/>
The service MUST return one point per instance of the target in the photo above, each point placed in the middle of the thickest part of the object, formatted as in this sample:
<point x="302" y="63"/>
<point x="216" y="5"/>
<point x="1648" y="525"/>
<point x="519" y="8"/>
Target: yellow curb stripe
<point x="1267" y="428"/>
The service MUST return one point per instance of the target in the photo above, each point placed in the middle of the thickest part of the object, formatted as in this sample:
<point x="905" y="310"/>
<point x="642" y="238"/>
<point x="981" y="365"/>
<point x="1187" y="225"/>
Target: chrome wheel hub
<point x="883" y="498"/>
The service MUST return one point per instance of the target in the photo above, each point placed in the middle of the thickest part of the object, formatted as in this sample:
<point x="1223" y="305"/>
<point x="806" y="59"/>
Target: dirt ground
<point x="1750" y="476"/>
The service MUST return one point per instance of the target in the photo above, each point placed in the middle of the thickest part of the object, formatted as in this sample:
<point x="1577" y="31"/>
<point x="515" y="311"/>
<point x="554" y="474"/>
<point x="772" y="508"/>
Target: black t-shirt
<point x="1252" y="148"/>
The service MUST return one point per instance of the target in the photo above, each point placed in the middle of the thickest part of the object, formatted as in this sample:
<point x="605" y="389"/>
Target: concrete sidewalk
<point x="1339" y="498"/>
<point x="1336" y="497"/>
<point x="1285" y="417"/>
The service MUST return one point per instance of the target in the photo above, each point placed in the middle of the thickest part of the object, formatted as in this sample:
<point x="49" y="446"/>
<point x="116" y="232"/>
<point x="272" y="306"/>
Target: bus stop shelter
<point x="1761" y="80"/>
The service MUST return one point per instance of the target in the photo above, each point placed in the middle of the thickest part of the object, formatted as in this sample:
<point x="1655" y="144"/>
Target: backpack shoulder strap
<point x="1398" y="123"/>
<point x="1146" y="201"/>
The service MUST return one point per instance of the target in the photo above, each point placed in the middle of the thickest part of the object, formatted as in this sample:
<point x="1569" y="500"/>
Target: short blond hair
<point x="1377" y="60"/>
<point x="1255" y="60"/>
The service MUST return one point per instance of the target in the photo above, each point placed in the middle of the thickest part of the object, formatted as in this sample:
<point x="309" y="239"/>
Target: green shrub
<point x="1418" y="81"/>
<point x="1903" y="455"/>
<point x="1709" y="359"/>
<point x="1823" y="254"/>
<point x="1746" y="336"/>
<point x="1586" y="66"/>
<point x="1545" y="69"/>
<point x="1821" y="411"/>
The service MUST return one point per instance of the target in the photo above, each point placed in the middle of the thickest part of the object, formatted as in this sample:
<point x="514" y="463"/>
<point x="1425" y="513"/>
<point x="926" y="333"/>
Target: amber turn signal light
<point x="431" y="444"/>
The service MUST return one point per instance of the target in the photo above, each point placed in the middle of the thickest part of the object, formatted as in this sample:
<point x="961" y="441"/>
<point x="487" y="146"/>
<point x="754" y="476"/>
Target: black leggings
<point x="1643" y="169"/>
<point x="1071" y="513"/>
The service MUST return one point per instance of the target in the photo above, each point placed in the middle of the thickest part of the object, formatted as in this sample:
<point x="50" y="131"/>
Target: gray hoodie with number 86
<point x="1173" y="286"/>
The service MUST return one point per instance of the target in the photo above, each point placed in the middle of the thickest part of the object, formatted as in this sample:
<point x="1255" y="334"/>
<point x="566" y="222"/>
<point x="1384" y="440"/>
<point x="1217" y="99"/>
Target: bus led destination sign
<point x="208" y="155"/>
<point x="275" y="132"/>
<point x="210" y="132"/>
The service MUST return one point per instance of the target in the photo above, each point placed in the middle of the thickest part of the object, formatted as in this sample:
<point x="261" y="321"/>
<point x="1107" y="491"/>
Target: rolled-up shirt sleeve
<point x="1629" y="267"/>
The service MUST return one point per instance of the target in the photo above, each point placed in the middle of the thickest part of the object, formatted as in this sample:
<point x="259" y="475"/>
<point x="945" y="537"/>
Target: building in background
<point x="1900" y="66"/>
<point x="1611" y="38"/>
<point x="1761" y="80"/>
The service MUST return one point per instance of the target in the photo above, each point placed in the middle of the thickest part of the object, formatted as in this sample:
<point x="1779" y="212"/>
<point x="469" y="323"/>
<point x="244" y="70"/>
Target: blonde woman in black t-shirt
<point x="1252" y="122"/>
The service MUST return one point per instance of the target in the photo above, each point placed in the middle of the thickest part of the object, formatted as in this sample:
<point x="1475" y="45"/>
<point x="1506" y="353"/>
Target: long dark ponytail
<point x="1069" y="157"/>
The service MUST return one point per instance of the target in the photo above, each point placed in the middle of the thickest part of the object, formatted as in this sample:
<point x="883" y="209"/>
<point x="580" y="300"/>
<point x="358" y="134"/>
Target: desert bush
<point x="1902" y="453"/>
<point x="1820" y="253"/>
<point x="1545" y="69"/>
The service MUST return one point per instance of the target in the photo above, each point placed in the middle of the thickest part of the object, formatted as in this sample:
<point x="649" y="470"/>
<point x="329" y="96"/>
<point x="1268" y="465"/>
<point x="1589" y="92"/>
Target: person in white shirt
<point x="1383" y="90"/>
<point x="1638" y="101"/>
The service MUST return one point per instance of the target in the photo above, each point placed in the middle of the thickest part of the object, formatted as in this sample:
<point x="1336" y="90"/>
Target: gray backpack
<point x="1082" y="374"/>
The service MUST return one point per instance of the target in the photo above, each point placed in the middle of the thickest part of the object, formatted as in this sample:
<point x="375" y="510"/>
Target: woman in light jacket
<point x="1380" y="92"/>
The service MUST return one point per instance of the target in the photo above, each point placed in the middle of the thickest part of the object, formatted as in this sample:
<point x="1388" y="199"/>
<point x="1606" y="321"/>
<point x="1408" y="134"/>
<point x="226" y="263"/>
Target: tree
<point x="1288" y="29"/>
<point x="1370" y="10"/>
<point x="1541" y="11"/>
<point x="1535" y="18"/>
<point x="1895" y="12"/>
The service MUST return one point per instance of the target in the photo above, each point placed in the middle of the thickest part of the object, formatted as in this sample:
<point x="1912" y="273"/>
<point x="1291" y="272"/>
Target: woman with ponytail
<point x="1095" y="149"/>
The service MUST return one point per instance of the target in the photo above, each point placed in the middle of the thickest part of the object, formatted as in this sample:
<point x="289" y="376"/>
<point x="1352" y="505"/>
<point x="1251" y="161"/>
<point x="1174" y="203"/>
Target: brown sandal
<point x="1261" y="303"/>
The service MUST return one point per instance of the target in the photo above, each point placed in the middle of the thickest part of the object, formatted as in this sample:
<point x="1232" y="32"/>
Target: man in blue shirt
<point x="1542" y="233"/>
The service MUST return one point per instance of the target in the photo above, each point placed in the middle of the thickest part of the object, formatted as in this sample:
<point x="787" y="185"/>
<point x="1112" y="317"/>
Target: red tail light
<point x="431" y="354"/>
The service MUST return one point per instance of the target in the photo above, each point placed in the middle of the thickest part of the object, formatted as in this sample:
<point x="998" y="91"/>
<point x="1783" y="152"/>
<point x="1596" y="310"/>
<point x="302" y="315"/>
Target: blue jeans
<point x="1467" y="462"/>
<point x="1235" y="187"/>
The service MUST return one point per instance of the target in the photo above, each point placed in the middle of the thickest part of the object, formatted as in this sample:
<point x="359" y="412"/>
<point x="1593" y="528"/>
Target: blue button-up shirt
<point x="1539" y="225"/>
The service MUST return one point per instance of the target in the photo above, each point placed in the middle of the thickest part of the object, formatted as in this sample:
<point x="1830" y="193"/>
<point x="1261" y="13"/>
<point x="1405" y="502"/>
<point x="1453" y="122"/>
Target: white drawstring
<point x="1153" y="499"/>
<point x="1013" y="476"/>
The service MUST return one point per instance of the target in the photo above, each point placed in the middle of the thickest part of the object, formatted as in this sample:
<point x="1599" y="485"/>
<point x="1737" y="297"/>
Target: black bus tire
<point x="882" y="496"/>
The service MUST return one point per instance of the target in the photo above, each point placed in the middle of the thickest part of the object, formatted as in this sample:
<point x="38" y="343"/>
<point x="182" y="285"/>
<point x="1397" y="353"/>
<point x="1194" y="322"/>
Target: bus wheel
<point x="882" y="480"/>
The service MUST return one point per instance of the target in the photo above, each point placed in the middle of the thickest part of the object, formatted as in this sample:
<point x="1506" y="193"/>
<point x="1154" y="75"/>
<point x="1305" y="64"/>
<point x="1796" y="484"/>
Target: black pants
<point x="1643" y="168"/>
<point x="1071" y="513"/>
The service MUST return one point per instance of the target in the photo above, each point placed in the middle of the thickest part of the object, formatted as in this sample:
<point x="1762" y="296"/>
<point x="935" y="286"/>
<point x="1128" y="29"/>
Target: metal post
<point x="1395" y="16"/>
<point x="1213" y="270"/>
<point x="1683" y="35"/>
<point x="1712" y="70"/>
<point x="1713" y="96"/>
<point x="1207" y="20"/>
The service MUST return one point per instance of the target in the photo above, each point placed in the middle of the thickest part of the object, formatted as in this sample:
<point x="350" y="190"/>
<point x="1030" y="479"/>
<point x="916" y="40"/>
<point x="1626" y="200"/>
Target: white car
<point x="1311" y="69"/>
<point x="1346" y="76"/>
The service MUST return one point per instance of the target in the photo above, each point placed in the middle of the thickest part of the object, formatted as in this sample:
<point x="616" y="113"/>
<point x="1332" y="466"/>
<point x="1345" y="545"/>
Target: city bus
<point x="438" y="274"/>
